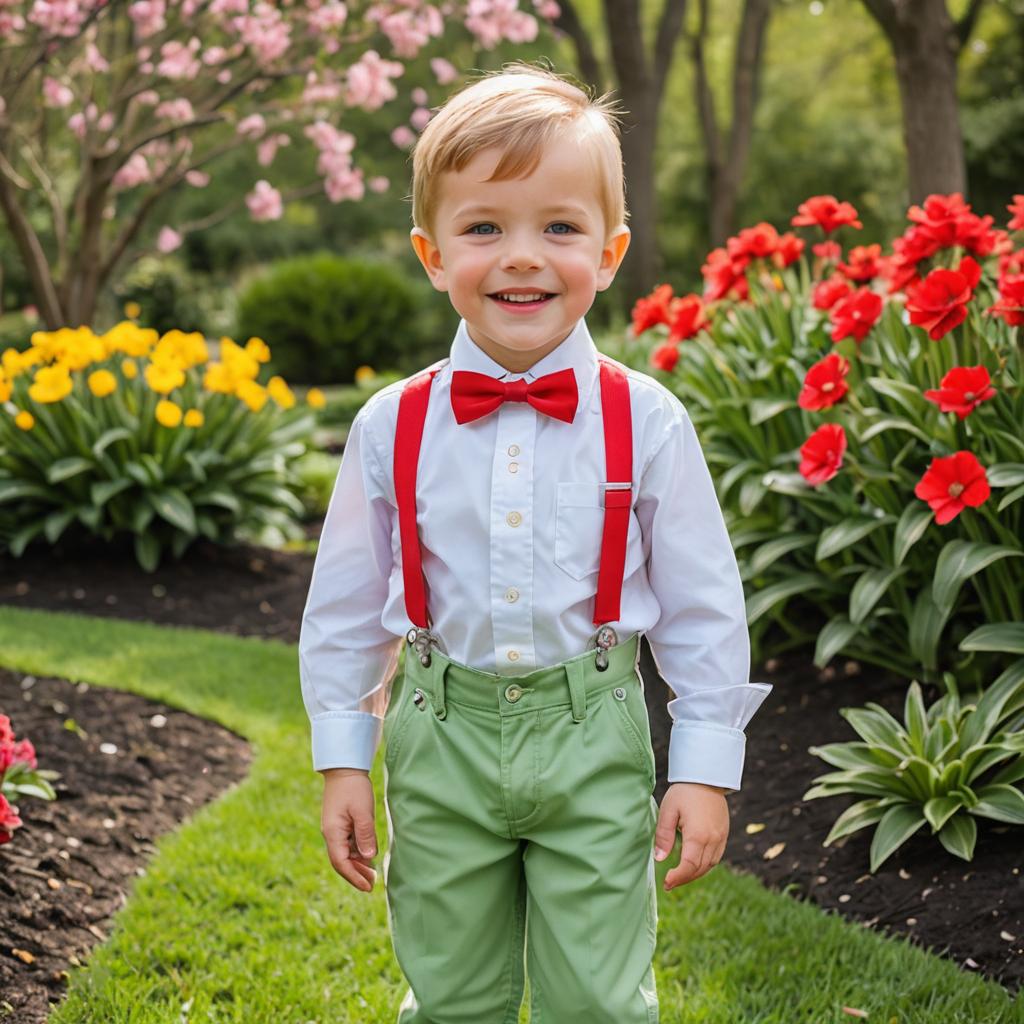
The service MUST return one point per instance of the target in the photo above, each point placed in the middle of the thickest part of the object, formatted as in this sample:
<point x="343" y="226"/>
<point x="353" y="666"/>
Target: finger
<point x="665" y="832"/>
<point x="366" y="834"/>
<point x="689" y="863"/>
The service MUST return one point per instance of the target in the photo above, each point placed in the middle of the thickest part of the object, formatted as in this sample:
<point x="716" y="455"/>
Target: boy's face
<point x="543" y="233"/>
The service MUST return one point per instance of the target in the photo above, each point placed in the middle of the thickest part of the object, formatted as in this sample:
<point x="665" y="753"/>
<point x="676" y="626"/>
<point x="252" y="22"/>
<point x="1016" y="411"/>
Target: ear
<point x="611" y="256"/>
<point x="430" y="256"/>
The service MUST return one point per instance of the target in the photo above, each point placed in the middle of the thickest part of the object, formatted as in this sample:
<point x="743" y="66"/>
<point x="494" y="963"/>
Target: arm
<point x="345" y="654"/>
<point x="700" y="643"/>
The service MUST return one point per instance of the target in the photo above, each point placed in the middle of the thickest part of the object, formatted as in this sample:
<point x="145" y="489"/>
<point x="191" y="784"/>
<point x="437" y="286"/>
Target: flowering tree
<point x="106" y="106"/>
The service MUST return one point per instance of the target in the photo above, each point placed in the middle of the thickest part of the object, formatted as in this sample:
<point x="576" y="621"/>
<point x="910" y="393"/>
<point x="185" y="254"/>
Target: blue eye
<point x="564" y="225"/>
<point x="472" y="230"/>
<point x="475" y="226"/>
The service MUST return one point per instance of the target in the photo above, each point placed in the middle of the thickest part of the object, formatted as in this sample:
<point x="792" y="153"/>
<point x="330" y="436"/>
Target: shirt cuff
<point x="345" y="739"/>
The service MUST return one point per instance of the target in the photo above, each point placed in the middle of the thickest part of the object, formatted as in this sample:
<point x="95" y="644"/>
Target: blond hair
<point x="520" y="108"/>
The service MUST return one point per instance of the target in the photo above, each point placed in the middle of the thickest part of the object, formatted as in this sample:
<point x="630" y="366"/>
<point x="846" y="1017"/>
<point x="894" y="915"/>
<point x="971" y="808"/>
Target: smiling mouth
<point x="521" y="302"/>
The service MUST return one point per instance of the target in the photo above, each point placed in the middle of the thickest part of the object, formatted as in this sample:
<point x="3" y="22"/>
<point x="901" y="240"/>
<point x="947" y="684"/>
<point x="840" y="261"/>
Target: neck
<point x="513" y="360"/>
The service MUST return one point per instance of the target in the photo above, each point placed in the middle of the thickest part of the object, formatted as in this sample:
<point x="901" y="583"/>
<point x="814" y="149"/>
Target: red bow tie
<point x="476" y="394"/>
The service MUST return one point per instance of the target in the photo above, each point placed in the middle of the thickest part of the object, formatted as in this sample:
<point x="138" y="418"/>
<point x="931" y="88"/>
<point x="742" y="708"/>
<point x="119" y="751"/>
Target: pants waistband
<point x="565" y="684"/>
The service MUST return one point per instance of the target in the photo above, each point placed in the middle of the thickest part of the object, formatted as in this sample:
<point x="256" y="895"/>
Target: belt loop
<point x="439" y="671"/>
<point x="574" y="673"/>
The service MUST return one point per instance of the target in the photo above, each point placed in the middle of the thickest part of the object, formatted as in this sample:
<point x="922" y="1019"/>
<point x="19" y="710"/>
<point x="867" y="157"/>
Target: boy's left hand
<point x="702" y="813"/>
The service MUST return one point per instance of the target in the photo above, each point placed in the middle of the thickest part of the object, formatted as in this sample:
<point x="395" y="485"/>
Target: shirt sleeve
<point x="346" y="656"/>
<point x="700" y="643"/>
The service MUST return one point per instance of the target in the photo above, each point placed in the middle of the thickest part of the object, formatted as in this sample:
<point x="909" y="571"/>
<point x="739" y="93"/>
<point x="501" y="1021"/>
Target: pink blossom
<point x="264" y="202"/>
<point x="95" y="60"/>
<point x="317" y="90"/>
<point x="252" y="127"/>
<point x="410" y="30"/>
<point x="420" y="117"/>
<point x="148" y="18"/>
<point x="178" y="111"/>
<point x="264" y="32"/>
<point x="548" y="9"/>
<point x="403" y="136"/>
<point x="148" y="97"/>
<point x="214" y="55"/>
<point x="369" y="81"/>
<point x="168" y="239"/>
<point x="224" y="7"/>
<point x="106" y="122"/>
<point x="493" y="20"/>
<point x="56" y="94"/>
<point x="444" y="71"/>
<point x="330" y="16"/>
<point x="419" y="96"/>
<point x="178" y="60"/>
<point x="224" y="76"/>
<point x="266" y="149"/>
<point x="346" y="184"/>
<point x="131" y="173"/>
<point x="197" y="179"/>
<point x="76" y="122"/>
<point x="59" y="17"/>
<point x="378" y="183"/>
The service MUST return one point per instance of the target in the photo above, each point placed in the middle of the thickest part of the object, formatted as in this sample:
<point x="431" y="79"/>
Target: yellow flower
<point x="132" y="310"/>
<point x="193" y="418"/>
<point x="102" y="382"/>
<point x="254" y="395"/>
<point x="129" y="369"/>
<point x="218" y="378"/>
<point x="364" y="374"/>
<point x="25" y="419"/>
<point x="164" y="376"/>
<point x="280" y="392"/>
<point x="180" y="348"/>
<point x="51" y="384"/>
<point x="258" y="349"/>
<point x="130" y="338"/>
<point x="240" y="363"/>
<point x="315" y="397"/>
<point x="76" y="347"/>
<point x="6" y="387"/>
<point x="167" y="413"/>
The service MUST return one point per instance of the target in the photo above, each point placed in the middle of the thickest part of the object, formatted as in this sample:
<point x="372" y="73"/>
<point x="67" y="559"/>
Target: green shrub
<point x="166" y="292"/>
<point x="328" y="316"/>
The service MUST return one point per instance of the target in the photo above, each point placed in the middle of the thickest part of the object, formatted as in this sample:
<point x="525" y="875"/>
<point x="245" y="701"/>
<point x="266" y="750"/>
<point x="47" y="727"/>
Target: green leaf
<point x="101" y="491"/>
<point x="1010" y="497"/>
<point x="56" y="522"/>
<point x="147" y="551"/>
<point x="108" y="437"/>
<point x="768" y="553"/>
<point x="878" y="426"/>
<point x="854" y="754"/>
<point x="897" y="825"/>
<point x="909" y="530"/>
<point x="1001" y="803"/>
<point x="11" y="489"/>
<point x="89" y="515"/>
<point x="1004" y="697"/>
<point x="869" y="589"/>
<point x="959" y="835"/>
<point x="220" y="497"/>
<point x="21" y="538"/>
<point x="958" y="561"/>
<point x="915" y="718"/>
<point x="763" y="601"/>
<point x="762" y="409"/>
<point x="62" y="469"/>
<point x="142" y="516"/>
<point x="173" y="505"/>
<point x="832" y="638"/>
<point x="1012" y="773"/>
<point x="908" y="396"/>
<point x="940" y="808"/>
<point x="875" y="726"/>
<point x="842" y="534"/>
<point x="996" y="636"/>
<point x="1005" y="474"/>
<point x="926" y="623"/>
<point x="856" y="816"/>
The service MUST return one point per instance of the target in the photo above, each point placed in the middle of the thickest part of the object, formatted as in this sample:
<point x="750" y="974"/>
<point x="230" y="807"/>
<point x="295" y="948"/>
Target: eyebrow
<point x="572" y="208"/>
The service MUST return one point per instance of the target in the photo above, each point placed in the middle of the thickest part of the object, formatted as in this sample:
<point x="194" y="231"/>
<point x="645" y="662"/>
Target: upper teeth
<point x="521" y="298"/>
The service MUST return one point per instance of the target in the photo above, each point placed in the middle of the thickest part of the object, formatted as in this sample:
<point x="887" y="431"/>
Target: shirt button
<point x="513" y="467"/>
<point x="513" y="450"/>
<point x="511" y="595"/>
<point x="514" y="518"/>
<point x="512" y="655"/>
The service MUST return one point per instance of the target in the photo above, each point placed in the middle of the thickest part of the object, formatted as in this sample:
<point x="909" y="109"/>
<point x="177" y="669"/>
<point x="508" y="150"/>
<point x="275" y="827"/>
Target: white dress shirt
<point x="510" y="519"/>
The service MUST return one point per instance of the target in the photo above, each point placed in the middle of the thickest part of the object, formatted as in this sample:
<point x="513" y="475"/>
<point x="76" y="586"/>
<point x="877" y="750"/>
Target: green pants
<point x="521" y="816"/>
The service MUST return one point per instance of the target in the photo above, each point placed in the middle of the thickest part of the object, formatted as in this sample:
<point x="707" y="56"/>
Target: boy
<point x="518" y="515"/>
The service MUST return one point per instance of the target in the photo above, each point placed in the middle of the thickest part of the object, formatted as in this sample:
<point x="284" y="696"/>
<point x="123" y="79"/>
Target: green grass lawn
<point x="241" y="918"/>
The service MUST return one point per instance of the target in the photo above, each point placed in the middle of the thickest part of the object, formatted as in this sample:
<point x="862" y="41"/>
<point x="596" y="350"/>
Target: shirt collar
<point x="576" y="351"/>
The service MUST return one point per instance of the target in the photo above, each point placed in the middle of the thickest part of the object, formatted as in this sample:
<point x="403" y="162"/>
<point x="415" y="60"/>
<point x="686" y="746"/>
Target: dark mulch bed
<point x="970" y="912"/>
<point x="70" y="866"/>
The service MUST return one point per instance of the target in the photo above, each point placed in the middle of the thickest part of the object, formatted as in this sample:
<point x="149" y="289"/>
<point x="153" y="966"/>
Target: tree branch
<point x="590" y="67"/>
<point x="673" y="15"/>
<point x="965" y="26"/>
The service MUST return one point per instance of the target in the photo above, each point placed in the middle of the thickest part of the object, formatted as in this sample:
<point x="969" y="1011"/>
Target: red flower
<point x="821" y="454"/>
<point x="915" y="244"/>
<point x="863" y="262"/>
<point x="962" y="390"/>
<point x="652" y="309"/>
<point x="824" y="384"/>
<point x="939" y="302"/>
<point x="724" y="276"/>
<point x="1017" y="209"/>
<point x="827" y="293"/>
<point x="1011" y="300"/>
<point x="940" y="218"/>
<point x="898" y="275"/>
<point x="828" y="251"/>
<point x="856" y="314"/>
<point x="758" y="242"/>
<point x="827" y="212"/>
<point x="686" y="318"/>
<point x="951" y="483"/>
<point x="1011" y="263"/>
<point x="9" y="821"/>
<point x="665" y="356"/>
<point x="789" y="250"/>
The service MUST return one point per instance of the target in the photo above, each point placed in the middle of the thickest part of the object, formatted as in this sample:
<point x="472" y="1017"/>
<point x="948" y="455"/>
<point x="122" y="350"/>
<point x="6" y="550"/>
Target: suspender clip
<point x="605" y="638"/>
<point x="421" y="639"/>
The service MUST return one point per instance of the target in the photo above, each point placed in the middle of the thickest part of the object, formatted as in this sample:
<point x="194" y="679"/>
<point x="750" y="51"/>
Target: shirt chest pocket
<point x="579" y="527"/>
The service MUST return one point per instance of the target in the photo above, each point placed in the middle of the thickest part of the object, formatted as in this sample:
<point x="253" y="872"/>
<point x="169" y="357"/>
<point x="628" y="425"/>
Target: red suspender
<point x="618" y="495"/>
<point x="412" y="412"/>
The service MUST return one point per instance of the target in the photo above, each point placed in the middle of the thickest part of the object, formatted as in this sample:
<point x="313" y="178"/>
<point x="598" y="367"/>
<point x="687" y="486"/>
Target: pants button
<point x="513" y="693"/>
<point x="620" y="693"/>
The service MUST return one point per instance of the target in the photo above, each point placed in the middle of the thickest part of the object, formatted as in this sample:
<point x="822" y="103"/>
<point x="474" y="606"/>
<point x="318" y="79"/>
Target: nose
<point x="521" y="252"/>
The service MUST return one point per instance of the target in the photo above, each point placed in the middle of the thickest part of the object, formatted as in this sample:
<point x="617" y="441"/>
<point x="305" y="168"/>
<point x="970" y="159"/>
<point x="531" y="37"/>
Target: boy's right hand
<point x="347" y="825"/>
